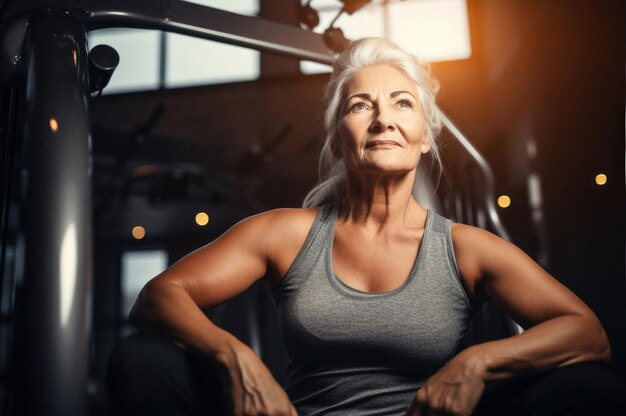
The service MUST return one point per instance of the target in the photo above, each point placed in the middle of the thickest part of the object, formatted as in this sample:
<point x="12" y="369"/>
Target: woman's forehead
<point x="379" y="78"/>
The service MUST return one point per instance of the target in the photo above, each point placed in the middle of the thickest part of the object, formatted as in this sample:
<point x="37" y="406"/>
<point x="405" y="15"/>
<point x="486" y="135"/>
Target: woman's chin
<point x="384" y="169"/>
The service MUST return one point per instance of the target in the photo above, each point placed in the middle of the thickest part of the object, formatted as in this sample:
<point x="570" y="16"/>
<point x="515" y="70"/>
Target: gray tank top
<point x="351" y="352"/>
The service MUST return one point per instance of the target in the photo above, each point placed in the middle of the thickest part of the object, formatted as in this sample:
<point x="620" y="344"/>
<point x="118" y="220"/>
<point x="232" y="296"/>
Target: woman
<point x="374" y="291"/>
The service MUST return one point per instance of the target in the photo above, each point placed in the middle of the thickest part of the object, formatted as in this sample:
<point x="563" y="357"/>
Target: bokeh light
<point x="601" y="179"/>
<point x="202" y="219"/>
<point x="504" y="201"/>
<point x="138" y="232"/>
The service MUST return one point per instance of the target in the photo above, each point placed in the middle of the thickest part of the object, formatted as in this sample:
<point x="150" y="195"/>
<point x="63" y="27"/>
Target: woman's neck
<point x="381" y="202"/>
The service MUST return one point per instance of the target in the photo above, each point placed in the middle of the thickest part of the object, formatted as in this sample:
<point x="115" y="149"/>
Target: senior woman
<point x="374" y="291"/>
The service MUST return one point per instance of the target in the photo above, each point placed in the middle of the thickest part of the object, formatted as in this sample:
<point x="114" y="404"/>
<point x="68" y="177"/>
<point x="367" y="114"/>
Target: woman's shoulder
<point x="283" y="227"/>
<point x="471" y="244"/>
<point x="474" y="239"/>
<point x="285" y="231"/>
<point x="283" y="218"/>
<point x="474" y="243"/>
<point x="278" y="217"/>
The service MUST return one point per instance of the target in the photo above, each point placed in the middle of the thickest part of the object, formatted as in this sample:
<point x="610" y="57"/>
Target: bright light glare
<point x="202" y="218"/>
<point x="504" y="201"/>
<point x="433" y="30"/>
<point x="68" y="268"/>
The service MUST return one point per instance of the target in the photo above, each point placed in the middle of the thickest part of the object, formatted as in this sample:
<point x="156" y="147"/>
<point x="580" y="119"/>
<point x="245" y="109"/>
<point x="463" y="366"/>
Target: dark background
<point x="550" y="71"/>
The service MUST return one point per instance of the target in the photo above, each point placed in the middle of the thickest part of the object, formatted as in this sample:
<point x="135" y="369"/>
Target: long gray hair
<point x="363" y="53"/>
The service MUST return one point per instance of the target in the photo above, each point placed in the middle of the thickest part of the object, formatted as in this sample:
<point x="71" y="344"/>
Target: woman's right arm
<point x="171" y="304"/>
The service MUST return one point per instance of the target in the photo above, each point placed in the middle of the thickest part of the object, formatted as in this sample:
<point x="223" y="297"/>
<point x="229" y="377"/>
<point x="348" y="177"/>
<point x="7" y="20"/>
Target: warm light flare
<point x="138" y="232"/>
<point x="54" y="125"/>
<point x="504" y="201"/>
<point x="202" y="219"/>
<point x="601" y="179"/>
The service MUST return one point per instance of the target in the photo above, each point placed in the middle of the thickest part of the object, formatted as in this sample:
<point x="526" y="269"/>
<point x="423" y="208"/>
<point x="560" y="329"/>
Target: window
<point x="194" y="61"/>
<point x="139" y="52"/>
<point x="151" y="59"/>
<point x="138" y="267"/>
<point x="433" y="30"/>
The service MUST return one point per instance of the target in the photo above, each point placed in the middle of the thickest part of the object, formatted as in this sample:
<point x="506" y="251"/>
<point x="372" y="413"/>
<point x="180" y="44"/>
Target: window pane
<point x="308" y="67"/>
<point x="434" y="30"/>
<point x="139" y="58"/>
<point x="193" y="61"/>
<point x="138" y="267"/>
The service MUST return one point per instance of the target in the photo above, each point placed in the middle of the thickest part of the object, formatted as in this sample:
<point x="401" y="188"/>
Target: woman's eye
<point x="405" y="104"/>
<point x="358" y="107"/>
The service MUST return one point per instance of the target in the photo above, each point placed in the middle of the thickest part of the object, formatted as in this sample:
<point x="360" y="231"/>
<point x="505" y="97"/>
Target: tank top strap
<point x="442" y="226"/>
<point x="439" y="223"/>
<point x="309" y="253"/>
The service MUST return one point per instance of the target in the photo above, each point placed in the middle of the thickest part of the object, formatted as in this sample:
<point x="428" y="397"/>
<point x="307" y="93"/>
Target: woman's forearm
<point x="457" y="387"/>
<point x="166" y="308"/>
<point x="556" y="342"/>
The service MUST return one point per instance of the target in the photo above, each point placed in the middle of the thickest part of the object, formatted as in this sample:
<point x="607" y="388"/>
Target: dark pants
<point x="150" y="375"/>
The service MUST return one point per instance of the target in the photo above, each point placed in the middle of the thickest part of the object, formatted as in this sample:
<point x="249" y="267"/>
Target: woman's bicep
<point x="520" y="286"/>
<point x="225" y="267"/>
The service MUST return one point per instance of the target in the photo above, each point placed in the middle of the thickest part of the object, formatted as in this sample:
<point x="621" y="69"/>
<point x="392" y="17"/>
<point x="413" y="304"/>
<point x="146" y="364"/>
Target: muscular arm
<point x="172" y="303"/>
<point x="560" y="328"/>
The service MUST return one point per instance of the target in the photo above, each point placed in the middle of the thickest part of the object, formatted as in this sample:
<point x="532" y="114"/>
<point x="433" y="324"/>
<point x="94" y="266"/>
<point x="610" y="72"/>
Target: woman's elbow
<point x="144" y="305"/>
<point x="600" y="350"/>
<point x="605" y="347"/>
<point x="136" y="313"/>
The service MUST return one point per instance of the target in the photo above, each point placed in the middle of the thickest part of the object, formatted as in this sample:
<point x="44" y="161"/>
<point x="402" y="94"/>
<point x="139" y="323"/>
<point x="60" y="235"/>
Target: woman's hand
<point x="253" y="389"/>
<point x="454" y="390"/>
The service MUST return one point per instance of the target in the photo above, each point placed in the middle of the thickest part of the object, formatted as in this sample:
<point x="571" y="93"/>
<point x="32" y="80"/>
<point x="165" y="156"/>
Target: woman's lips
<point x="381" y="143"/>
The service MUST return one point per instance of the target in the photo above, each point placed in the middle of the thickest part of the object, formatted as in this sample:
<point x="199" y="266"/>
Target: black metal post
<point x="53" y="309"/>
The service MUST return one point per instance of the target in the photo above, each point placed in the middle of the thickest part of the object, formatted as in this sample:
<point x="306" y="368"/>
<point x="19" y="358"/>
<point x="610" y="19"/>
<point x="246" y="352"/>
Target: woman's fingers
<point x="442" y="399"/>
<point x="254" y="391"/>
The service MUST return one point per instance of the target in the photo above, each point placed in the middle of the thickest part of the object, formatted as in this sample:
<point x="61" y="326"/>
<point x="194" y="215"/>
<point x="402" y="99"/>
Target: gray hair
<point x="360" y="54"/>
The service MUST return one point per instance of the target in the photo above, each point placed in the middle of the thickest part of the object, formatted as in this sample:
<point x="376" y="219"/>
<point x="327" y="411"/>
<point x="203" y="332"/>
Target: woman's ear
<point x="426" y="144"/>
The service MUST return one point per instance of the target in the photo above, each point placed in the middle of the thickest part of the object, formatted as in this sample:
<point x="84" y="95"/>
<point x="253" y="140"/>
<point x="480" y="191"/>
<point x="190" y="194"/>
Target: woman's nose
<point x="382" y="122"/>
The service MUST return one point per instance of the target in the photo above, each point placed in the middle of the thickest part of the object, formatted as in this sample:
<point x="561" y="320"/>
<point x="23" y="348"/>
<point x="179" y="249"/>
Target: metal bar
<point x="7" y="178"/>
<point x="486" y="171"/>
<point x="53" y="309"/>
<point x="162" y="59"/>
<point x="188" y="19"/>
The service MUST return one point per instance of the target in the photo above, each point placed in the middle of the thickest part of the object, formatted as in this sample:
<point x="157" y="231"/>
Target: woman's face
<point x="381" y="128"/>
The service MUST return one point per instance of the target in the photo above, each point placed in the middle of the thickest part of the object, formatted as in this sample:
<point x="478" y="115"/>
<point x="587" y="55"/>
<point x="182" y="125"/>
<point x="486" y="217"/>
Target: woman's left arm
<point x="560" y="329"/>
